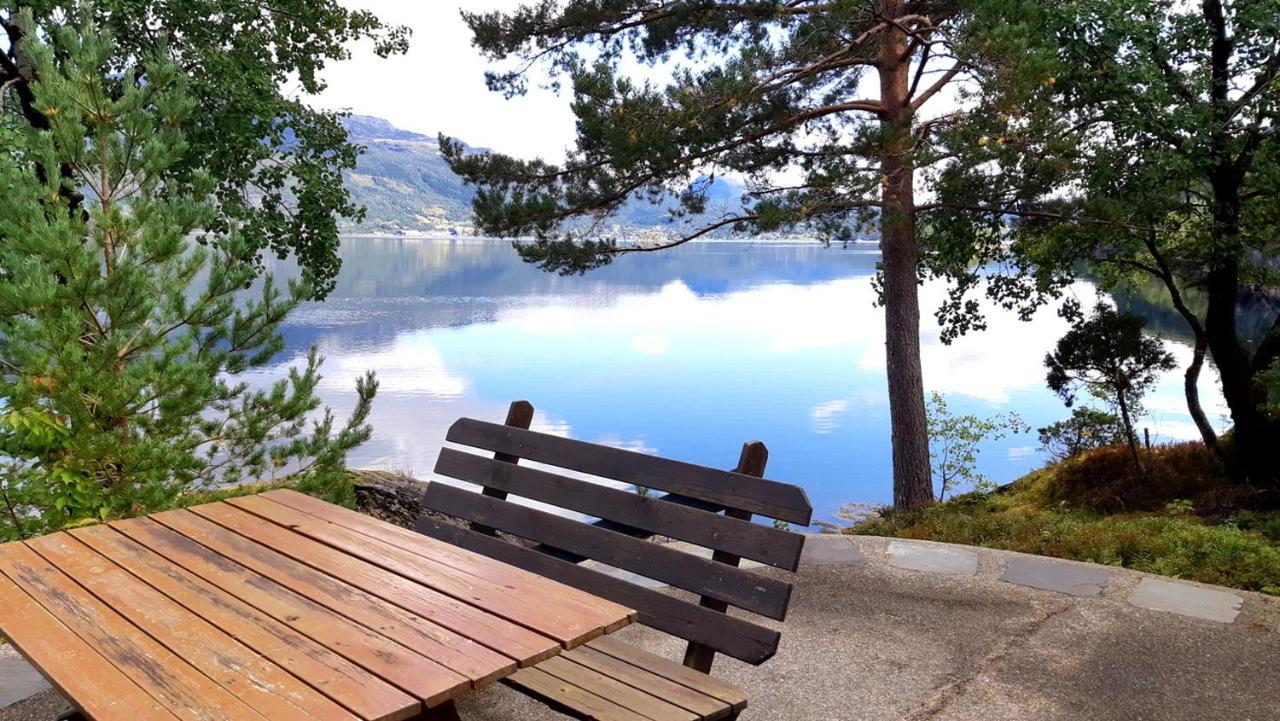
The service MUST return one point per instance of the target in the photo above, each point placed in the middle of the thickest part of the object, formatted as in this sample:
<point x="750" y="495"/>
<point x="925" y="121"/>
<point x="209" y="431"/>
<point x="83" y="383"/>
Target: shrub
<point x="1086" y="429"/>
<point x="1105" y="480"/>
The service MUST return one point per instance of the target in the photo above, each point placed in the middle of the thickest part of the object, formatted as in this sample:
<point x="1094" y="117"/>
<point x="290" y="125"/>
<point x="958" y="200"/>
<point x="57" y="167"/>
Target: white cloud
<point x="653" y="344"/>
<point x="438" y="86"/>
<point x="1018" y="453"/>
<point x="824" y="416"/>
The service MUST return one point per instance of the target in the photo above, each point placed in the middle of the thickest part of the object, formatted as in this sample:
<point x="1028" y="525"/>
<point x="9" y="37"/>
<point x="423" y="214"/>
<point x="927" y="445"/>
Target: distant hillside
<point x="407" y="187"/>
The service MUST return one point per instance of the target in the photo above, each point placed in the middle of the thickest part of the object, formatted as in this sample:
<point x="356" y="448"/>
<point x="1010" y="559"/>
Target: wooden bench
<point x="608" y="679"/>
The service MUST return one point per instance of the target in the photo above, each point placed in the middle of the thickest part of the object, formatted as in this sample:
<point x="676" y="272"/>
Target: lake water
<point x="684" y="353"/>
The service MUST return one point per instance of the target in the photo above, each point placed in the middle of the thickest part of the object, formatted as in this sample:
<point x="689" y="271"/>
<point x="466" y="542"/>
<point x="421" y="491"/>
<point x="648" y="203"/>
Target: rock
<point x="392" y="497"/>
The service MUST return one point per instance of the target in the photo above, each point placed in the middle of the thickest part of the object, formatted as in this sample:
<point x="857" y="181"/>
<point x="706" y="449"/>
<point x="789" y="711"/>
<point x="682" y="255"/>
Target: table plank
<point x="516" y="642"/>
<point x="566" y="614"/>
<point x="450" y="555"/>
<point x="366" y="695"/>
<point x="478" y="664"/>
<point x="248" y="676"/>
<point x="183" y="690"/>
<point x="73" y="666"/>
<point x="512" y="598"/>
<point x="423" y="678"/>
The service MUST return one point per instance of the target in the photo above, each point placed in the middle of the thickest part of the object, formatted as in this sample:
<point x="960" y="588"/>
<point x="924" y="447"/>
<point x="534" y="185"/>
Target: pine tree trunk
<point x="912" y="484"/>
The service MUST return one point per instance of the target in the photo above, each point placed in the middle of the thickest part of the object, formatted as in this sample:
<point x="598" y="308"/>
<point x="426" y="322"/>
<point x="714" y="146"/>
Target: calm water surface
<point x="685" y="353"/>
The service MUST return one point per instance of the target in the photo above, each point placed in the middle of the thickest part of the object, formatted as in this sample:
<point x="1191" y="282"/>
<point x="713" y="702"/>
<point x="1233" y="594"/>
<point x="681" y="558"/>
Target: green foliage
<point x="1151" y="157"/>
<point x="1104" y="480"/>
<point x="1110" y="356"/>
<point x="124" y="324"/>
<point x="1243" y="552"/>
<point x="1272" y="380"/>
<point x="741" y="95"/>
<point x="1086" y="429"/>
<point x="270" y="165"/>
<point x="955" y="440"/>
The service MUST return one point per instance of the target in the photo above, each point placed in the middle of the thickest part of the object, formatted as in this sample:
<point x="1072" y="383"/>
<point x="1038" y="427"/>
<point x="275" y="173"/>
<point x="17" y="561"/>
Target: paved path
<point x="888" y="630"/>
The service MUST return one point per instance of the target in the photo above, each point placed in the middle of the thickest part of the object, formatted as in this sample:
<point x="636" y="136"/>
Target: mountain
<point x="405" y="185"/>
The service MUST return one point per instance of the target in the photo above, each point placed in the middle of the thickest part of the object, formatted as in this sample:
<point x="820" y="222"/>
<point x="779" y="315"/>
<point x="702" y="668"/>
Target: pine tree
<point x="123" y="325"/>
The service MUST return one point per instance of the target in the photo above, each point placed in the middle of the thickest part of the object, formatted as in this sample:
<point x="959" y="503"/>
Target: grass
<point x="1043" y="513"/>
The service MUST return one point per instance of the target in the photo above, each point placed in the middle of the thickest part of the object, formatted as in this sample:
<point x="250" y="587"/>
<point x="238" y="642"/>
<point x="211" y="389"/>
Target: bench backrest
<point x="706" y="507"/>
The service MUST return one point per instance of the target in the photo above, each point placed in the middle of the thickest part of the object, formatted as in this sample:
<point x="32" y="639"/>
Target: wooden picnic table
<point x="278" y="607"/>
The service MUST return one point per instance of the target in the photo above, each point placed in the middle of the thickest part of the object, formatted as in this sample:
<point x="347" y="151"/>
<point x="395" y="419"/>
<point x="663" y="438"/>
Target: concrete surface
<point x="1050" y="574"/>
<point x="18" y="681"/>
<point x="932" y="557"/>
<point x="1208" y="603"/>
<point x="866" y="640"/>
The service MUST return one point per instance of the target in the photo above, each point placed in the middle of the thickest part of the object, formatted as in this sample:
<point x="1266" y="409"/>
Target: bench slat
<point x="683" y="675"/>
<point x="457" y="653"/>
<point x="655" y="515"/>
<point x="267" y="688"/>
<point x="732" y="636"/>
<point x="364" y="694"/>
<point x="628" y="697"/>
<point x="425" y="679"/>
<point x="184" y="690"/>
<point x="741" y="588"/>
<point x="735" y="490"/>
<point x="704" y="705"/>
<point x="81" y="673"/>
<point x="561" y="694"/>
<point x="485" y="629"/>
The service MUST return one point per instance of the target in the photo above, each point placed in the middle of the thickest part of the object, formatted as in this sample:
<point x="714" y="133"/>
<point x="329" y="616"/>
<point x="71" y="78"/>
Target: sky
<point x="438" y="86"/>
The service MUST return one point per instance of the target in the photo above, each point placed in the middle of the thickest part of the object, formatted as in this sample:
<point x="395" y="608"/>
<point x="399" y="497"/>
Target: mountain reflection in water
<point x="686" y="353"/>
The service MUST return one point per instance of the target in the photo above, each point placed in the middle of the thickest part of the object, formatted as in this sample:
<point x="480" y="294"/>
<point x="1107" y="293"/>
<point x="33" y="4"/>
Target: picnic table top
<point x="279" y="607"/>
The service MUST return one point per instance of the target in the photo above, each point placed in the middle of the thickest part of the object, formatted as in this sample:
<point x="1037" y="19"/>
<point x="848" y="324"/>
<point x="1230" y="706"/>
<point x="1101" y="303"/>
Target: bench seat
<point x="611" y="680"/>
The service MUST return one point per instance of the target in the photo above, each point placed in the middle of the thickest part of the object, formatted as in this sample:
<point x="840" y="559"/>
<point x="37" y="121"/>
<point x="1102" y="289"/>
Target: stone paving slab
<point x="932" y="559"/>
<point x="18" y="681"/>
<point x="1052" y="575"/>
<point x="830" y="551"/>
<point x="1187" y="600"/>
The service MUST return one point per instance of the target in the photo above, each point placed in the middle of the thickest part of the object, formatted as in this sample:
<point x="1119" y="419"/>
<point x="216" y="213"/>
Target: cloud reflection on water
<point x="686" y="353"/>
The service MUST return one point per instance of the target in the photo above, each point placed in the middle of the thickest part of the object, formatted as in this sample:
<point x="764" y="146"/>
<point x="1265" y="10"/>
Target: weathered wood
<point x="537" y="606"/>
<point x="421" y="677"/>
<point x="565" y="696"/>
<point x="743" y="640"/>
<point x="683" y="675"/>
<point x="313" y="569"/>
<point x="366" y="695"/>
<point x="74" y="667"/>
<point x="700" y="704"/>
<point x="519" y="415"/>
<point x="244" y="673"/>
<point x="656" y="515"/>
<point x="629" y="697"/>
<point x="183" y="690"/>
<point x="744" y="589"/>
<point x="459" y="654"/>
<point x="751" y="462"/>
<point x="459" y="559"/>
<point x="735" y="490"/>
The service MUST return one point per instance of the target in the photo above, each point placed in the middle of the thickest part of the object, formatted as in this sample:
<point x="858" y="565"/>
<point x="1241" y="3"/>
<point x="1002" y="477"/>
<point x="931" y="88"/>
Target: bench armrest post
<point x="751" y="462"/>
<point x="519" y="415"/>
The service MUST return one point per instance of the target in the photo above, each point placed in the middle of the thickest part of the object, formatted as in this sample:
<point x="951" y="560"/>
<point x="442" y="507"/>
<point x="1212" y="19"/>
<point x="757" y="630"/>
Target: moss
<point x="1034" y="515"/>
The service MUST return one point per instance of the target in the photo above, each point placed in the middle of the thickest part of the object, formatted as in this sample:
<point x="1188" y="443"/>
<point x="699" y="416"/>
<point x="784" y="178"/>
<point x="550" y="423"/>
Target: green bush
<point x="1105" y="480"/>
